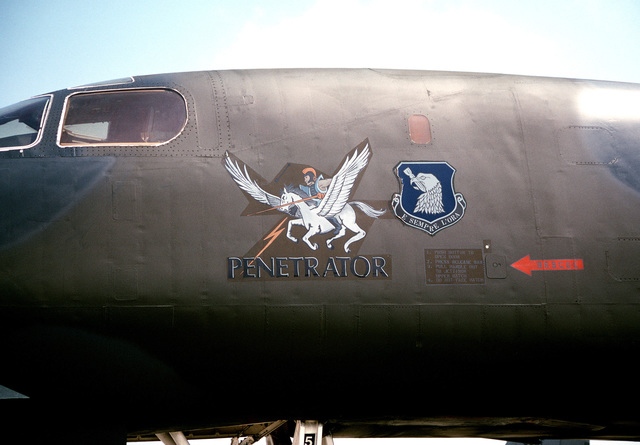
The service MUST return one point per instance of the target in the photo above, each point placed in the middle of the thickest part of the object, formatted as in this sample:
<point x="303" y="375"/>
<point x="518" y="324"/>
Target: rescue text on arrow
<point x="528" y="265"/>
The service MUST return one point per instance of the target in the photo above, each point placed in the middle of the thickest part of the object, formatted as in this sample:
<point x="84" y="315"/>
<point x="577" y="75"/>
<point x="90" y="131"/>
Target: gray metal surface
<point x="117" y="291"/>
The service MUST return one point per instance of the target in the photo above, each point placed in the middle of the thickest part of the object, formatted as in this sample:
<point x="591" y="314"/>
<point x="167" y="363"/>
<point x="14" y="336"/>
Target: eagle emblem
<point x="427" y="200"/>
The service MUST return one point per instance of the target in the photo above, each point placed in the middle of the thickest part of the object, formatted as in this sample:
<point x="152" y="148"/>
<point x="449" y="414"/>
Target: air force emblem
<point x="427" y="200"/>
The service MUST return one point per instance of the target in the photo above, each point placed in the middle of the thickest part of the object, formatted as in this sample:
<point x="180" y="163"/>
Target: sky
<point x="49" y="45"/>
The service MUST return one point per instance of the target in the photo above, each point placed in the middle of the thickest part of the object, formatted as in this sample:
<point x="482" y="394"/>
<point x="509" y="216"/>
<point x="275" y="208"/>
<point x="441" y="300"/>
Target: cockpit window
<point x="21" y="123"/>
<point x="132" y="117"/>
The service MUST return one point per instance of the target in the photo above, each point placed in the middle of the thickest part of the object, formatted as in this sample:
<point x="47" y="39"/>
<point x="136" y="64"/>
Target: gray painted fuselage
<point x="127" y="285"/>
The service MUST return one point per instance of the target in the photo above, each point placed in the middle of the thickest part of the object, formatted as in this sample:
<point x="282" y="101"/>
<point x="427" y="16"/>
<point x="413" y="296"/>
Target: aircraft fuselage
<point x="395" y="253"/>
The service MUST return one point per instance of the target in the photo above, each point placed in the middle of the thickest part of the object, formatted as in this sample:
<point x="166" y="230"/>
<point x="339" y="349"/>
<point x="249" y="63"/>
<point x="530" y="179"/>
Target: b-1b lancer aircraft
<point x="321" y="253"/>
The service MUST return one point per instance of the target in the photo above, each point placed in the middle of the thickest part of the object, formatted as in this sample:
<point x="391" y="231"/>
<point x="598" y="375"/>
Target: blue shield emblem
<point x="427" y="200"/>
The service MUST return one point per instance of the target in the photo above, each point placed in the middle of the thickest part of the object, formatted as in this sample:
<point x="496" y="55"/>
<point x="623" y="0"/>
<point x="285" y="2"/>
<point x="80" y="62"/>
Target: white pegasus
<point x="333" y="205"/>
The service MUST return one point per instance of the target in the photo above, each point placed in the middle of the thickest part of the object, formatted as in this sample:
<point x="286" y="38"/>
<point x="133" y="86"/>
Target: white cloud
<point x="409" y="34"/>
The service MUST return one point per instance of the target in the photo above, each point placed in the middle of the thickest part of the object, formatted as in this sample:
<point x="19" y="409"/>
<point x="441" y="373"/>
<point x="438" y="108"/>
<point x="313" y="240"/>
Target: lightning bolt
<point x="275" y="233"/>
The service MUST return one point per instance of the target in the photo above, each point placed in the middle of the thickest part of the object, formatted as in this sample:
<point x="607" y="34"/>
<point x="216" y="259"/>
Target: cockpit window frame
<point x="43" y="123"/>
<point x="69" y="97"/>
<point x="128" y="80"/>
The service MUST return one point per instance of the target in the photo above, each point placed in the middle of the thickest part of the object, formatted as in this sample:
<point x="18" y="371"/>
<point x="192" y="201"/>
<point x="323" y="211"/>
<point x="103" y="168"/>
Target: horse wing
<point x="340" y="187"/>
<point x="250" y="186"/>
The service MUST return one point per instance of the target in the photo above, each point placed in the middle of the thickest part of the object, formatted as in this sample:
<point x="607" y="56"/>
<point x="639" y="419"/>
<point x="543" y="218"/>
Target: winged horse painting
<point x="334" y="213"/>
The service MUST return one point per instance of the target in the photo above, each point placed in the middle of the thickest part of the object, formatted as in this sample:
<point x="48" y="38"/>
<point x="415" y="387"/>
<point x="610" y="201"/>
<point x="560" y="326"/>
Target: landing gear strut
<point x="309" y="432"/>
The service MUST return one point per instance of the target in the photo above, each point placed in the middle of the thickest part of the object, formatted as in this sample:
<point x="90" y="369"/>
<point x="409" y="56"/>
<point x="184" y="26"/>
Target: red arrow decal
<point x="528" y="265"/>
